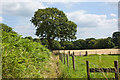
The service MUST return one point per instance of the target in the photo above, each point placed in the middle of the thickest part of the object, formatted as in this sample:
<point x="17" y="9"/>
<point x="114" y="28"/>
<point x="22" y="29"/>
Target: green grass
<point x="95" y="61"/>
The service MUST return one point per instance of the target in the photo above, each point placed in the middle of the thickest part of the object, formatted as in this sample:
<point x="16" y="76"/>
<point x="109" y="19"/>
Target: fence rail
<point x="112" y="70"/>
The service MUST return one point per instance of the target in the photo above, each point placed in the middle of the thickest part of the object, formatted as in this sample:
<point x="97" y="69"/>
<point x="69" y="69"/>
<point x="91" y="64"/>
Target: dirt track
<point x="90" y="51"/>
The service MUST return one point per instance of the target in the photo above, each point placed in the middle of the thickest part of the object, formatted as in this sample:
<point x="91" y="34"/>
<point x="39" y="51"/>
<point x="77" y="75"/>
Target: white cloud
<point x="0" y="8"/>
<point x="113" y="15"/>
<point x="96" y="32"/>
<point x="25" y="30"/>
<point x="1" y="19"/>
<point x="83" y="19"/>
<point x="18" y="0"/>
<point x="22" y="13"/>
<point x="24" y="9"/>
<point x="92" y="25"/>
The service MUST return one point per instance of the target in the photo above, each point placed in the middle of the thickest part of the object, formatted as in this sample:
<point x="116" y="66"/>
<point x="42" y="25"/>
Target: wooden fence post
<point x="69" y="53"/>
<point x="67" y="60"/>
<point x="73" y="53"/>
<point x="86" y="53"/>
<point x="88" y="70"/>
<point x="73" y="60"/>
<point x="64" y="58"/>
<point x="116" y="70"/>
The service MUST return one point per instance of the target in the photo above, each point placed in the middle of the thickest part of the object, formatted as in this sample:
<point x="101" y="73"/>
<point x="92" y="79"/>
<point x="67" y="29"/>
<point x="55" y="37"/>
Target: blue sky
<point x="91" y="7"/>
<point x="93" y="19"/>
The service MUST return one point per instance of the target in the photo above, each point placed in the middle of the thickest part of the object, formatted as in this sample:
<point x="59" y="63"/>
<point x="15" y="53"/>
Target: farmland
<point x="90" y="51"/>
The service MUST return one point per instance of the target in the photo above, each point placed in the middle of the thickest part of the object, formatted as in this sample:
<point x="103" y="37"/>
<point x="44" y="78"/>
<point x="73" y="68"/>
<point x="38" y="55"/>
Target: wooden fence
<point x="115" y="70"/>
<point x="110" y="70"/>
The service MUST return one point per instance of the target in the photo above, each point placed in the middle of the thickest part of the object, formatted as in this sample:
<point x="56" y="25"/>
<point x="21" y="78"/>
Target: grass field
<point x="95" y="61"/>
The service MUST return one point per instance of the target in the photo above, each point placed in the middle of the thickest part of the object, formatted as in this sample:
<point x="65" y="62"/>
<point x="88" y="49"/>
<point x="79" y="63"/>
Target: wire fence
<point x="71" y="61"/>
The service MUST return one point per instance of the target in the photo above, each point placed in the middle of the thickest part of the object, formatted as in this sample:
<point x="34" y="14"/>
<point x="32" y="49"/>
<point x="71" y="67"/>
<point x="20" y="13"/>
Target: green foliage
<point x="80" y="44"/>
<point x="104" y="43"/>
<point x="37" y="40"/>
<point x="22" y="58"/>
<point x="56" y="45"/>
<point x="116" y="38"/>
<point x="67" y="45"/>
<point x="52" y="23"/>
<point x="29" y="37"/>
<point x="6" y="28"/>
<point x="89" y="43"/>
<point x="44" y="42"/>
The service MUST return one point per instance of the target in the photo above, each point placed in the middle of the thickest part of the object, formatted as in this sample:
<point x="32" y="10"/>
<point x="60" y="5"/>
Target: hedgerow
<point x="22" y="58"/>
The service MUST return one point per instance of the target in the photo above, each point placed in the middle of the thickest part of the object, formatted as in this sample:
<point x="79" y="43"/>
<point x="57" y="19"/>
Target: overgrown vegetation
<point x="23" y="58"/>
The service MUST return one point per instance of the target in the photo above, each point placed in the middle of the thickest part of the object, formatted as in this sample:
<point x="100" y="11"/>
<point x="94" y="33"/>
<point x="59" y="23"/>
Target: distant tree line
<point x="89" y="43"/>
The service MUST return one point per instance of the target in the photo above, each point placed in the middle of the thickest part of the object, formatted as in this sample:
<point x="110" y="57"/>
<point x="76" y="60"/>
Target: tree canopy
<point x="116" y="40"/>
<point x="52" y="23"/>
<point x="6" y="28"/>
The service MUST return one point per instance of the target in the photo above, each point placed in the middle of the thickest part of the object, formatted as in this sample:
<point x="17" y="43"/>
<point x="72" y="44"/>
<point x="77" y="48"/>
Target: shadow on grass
<point x="114" y="55"/>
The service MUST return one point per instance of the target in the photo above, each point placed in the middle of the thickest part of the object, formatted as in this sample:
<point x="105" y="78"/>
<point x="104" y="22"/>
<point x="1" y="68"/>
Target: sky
<point x="93" y="19"/>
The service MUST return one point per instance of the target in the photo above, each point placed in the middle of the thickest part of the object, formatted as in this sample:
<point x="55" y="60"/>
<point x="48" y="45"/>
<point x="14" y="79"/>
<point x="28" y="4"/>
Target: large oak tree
<point x="52" y="23"/>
